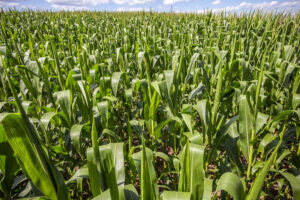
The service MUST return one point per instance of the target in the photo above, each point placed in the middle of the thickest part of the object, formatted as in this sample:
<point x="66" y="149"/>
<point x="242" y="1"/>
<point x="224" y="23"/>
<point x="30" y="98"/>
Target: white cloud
<point x="8" y="4"/>
<point x="264" y="5"/>
<point x="75" y="4"/>
<point x="12" y="3"/>
<point x="17" y="4"/>
<point x="131" y="2"/>
<point x="291" y="3"/>
<point x="216" y="2"/>
<point x="168" y="2"/>
<point x="86" y="4"/>
<point x="132" y="9"/>
<point x="70" y="8"/>
<point x="28" y="6"/>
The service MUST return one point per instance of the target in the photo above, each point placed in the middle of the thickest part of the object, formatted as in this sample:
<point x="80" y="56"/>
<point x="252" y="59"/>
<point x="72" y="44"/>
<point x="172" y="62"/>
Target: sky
<point x="195" y="6"/>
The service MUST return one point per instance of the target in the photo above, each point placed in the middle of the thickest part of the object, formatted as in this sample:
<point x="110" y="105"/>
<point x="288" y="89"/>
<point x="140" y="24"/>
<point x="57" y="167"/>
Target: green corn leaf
<point x="261" y="120"/>
<point x="187" y="118"/>
<point x="232" y="151"/>
<point x="267" y="139"/>
<point x="208" y="184"/>
<point x="169" y="76"/>
<point x="93" y="157"/>
<point x="131" y="193"/>
<point x="106" y="195"/>
<point x="109" y="172"/>
<point x="115" y="81"/>
<point x="76" y="134"/>
<point x="163" y="85"/>
<point x="196" y="91"/>
<point x="164" y="156"/>
<point x="46" y="119"/>
<point x="197" y="164"/>
<point x="64" y="100"/>
<point x="170" y="195"/>
<point x="8" y="163"/>
<point x="204" y="111"/>
<point x="231" y="183"/>
<point x="79" y="174"/>
<point x="192" y="173"/>
<point x="191" y="66"/>
<point x="245" y="125"/>
<point x="184" y="180"/>
<point x="94" y="174"/>
<point x="294" y="182"/>
<point x="29" y="158"/>
<point x="295" y="101"/>
<point x="259" y="181"/>
<point x="256" y="187"/>
<point x="118" y="155"/>
<point x="84" y="91"/>
<point x="218" y="94"/>
<point x="158" y="128"/>
<point x="103" y="110"/>
<point x="148" y="181"/>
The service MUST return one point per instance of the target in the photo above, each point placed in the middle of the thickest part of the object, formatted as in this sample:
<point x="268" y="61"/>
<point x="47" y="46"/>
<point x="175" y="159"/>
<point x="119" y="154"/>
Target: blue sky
<point x="156" y="5"/>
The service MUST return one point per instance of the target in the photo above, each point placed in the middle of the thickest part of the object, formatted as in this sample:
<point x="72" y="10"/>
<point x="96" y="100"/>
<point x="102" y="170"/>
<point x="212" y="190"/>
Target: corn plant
<point x="146" y="105"/>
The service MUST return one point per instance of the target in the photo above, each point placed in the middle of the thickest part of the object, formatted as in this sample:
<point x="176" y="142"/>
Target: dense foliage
<point x="149" y="106"/>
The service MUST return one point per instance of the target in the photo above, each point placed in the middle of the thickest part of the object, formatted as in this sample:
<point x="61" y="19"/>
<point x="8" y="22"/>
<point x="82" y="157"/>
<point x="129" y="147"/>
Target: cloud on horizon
<point x="196" y="6"/>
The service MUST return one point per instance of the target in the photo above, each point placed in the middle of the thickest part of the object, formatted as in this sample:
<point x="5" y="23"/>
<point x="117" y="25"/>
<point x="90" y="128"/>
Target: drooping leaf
<point x="29" y="158"/>
<point x="231" y="183"/>
<point x="115" y="81"/>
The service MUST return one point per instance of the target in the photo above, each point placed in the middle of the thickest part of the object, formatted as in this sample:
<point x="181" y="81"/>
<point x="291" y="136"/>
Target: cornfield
<point x="146" y="105"/>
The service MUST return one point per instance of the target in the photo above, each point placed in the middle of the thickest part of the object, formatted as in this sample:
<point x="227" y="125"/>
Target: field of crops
<point x="149" y="106"/>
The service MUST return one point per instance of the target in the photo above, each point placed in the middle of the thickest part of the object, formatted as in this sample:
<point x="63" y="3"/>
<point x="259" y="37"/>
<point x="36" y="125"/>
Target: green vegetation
<point x="149" y="106"/>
